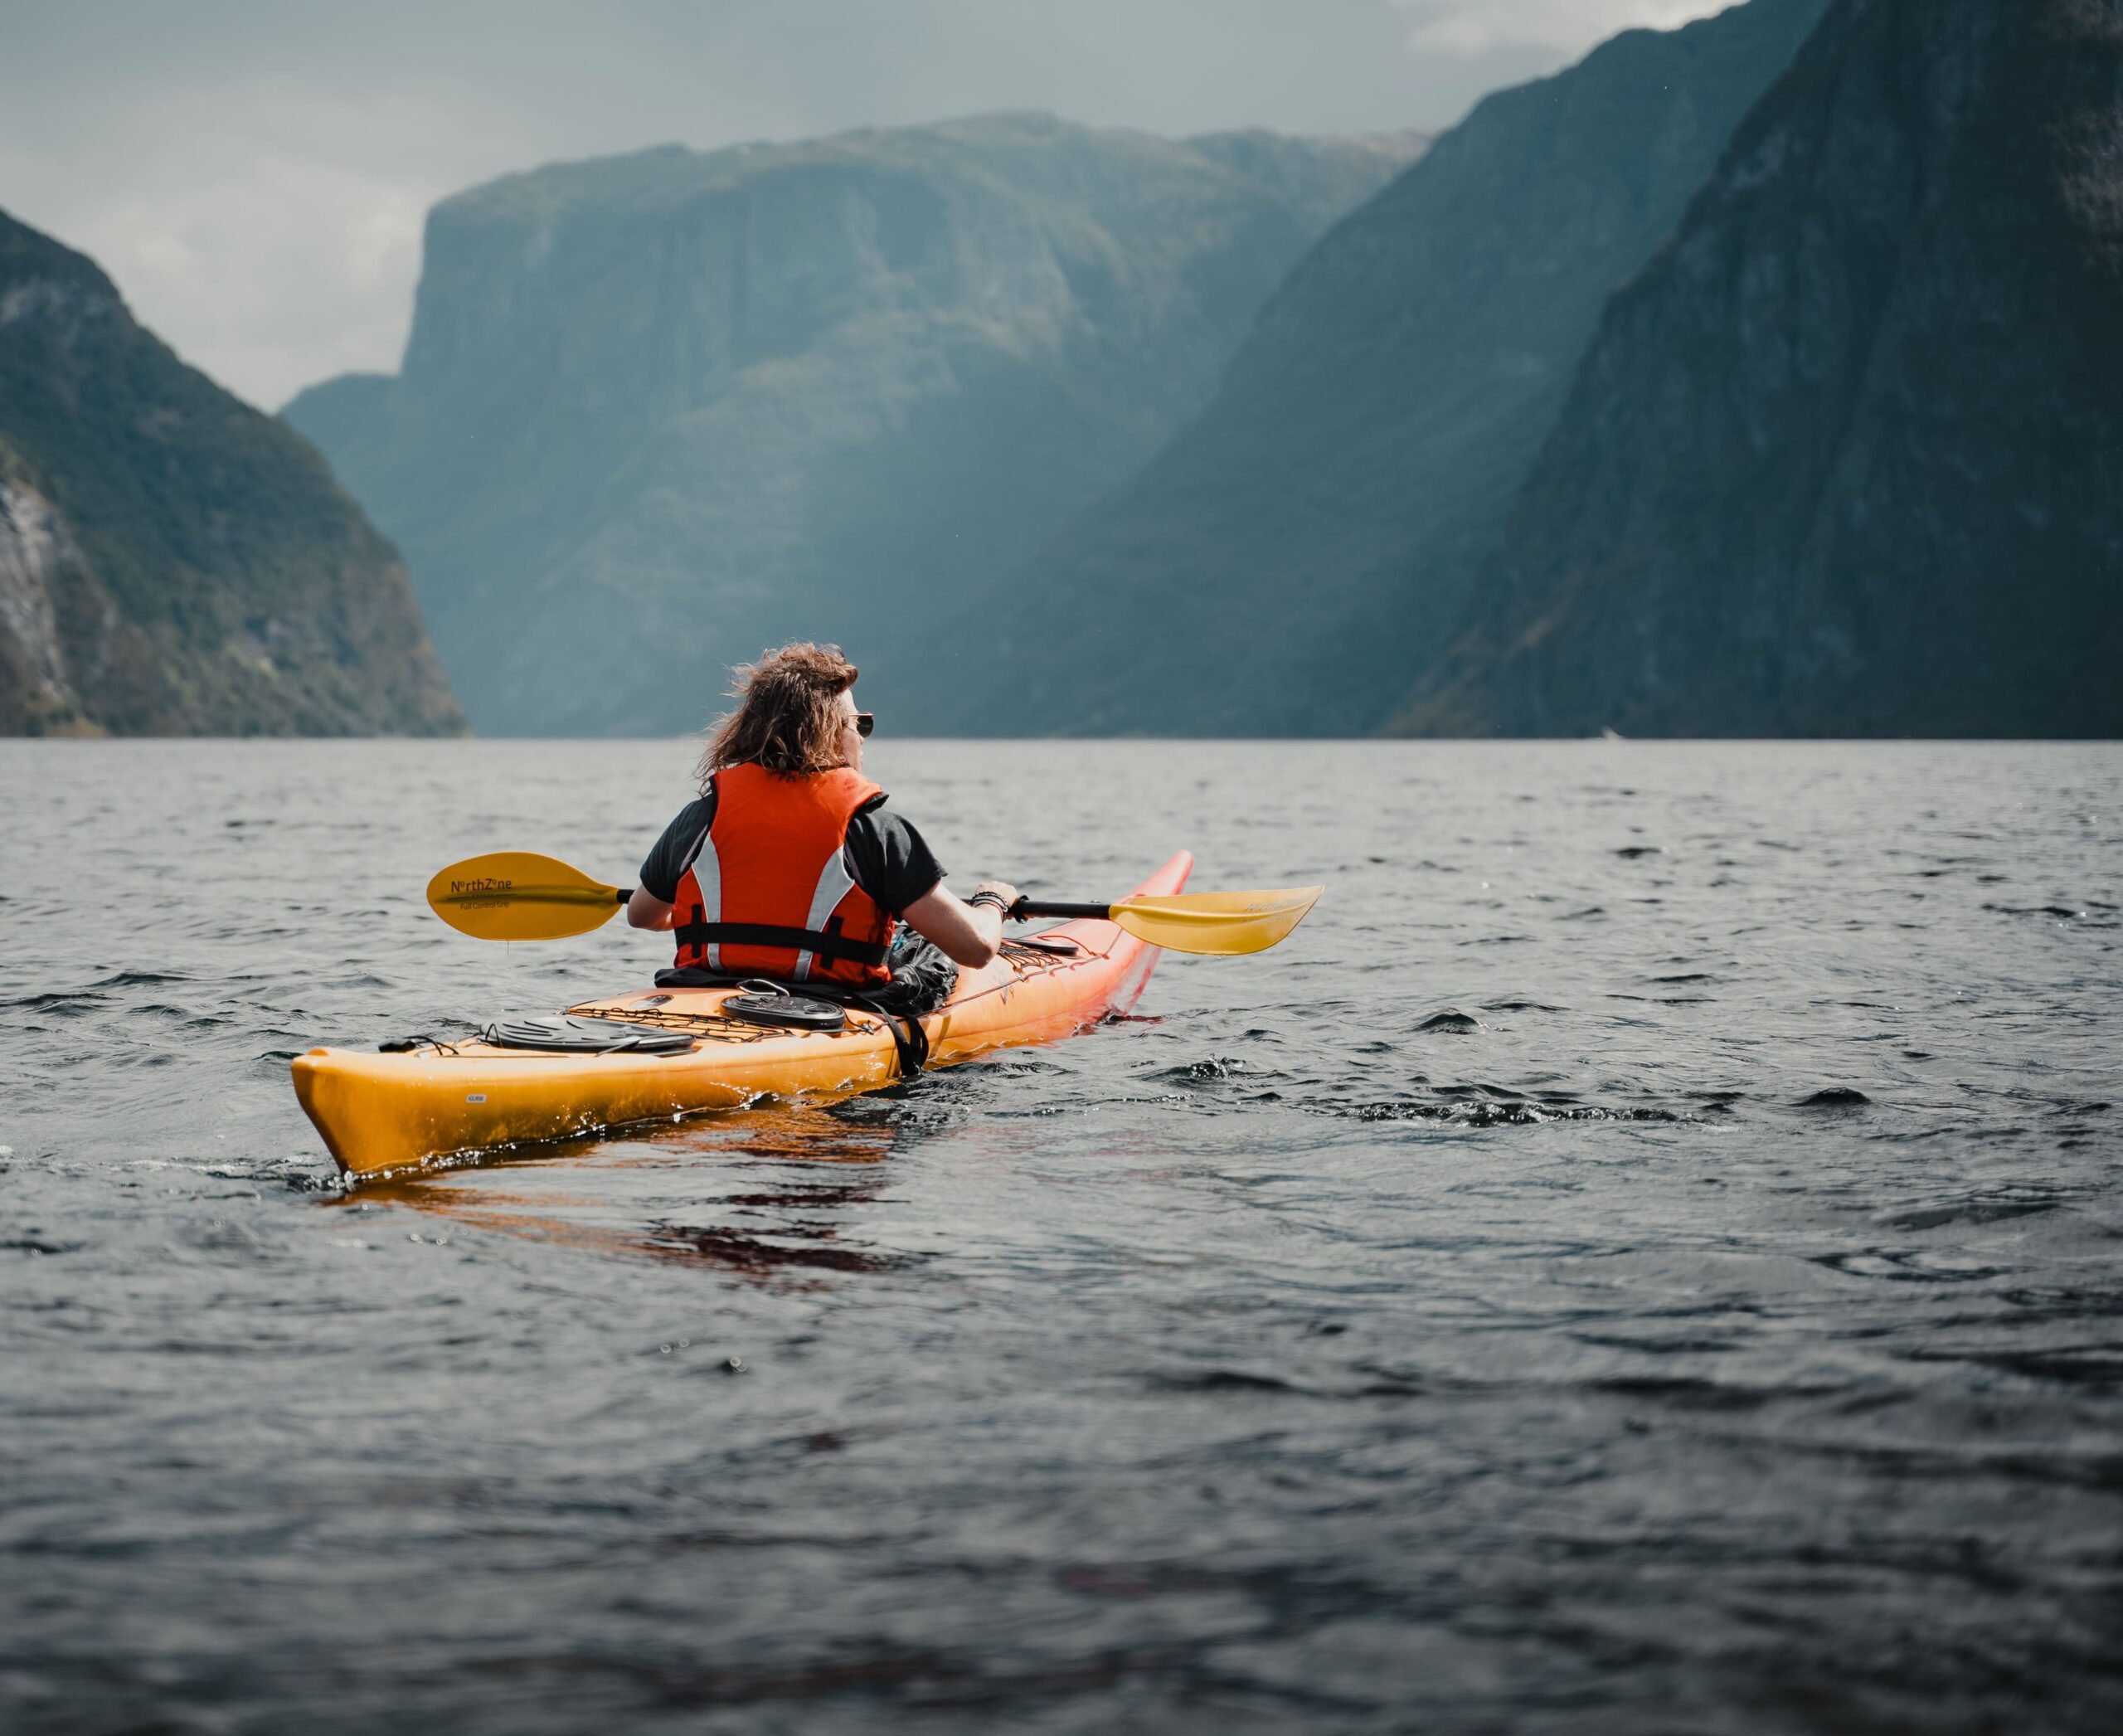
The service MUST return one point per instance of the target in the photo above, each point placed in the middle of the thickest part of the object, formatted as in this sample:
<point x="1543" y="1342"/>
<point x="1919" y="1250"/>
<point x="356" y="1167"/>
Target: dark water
<point x="1646" y="1255"/>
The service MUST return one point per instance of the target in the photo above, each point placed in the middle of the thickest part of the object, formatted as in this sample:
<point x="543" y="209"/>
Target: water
<point x="1644" y="1256"/>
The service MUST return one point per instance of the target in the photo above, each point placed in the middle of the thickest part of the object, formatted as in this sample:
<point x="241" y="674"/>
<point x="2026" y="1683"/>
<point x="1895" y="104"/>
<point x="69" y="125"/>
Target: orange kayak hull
<point x="380" y="1112"/>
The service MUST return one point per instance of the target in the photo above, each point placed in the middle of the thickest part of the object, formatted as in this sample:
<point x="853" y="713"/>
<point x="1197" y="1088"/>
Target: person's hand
<point x="1001" y="888"/>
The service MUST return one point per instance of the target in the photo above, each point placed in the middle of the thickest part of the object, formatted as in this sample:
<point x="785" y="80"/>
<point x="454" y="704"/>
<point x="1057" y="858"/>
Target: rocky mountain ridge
<point x="657" y="411"/>
<point x="1847" y="458"/>
<point x="1291" y="560"/>
<point x="171" y="562"/>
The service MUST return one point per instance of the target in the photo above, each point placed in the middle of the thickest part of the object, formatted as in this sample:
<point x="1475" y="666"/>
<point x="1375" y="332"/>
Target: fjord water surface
<point x="1644" y="1256"/>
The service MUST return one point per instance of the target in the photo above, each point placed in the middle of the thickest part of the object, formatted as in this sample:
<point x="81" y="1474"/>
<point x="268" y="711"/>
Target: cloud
<point x="254" y="175"/>
<point x="286" y="268"/>
<point x="1469" y="28"/>
<point x="244" y="220"/>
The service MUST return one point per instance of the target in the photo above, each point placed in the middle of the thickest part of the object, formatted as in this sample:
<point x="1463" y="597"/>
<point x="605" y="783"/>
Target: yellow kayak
<point x="388" y="1111"/>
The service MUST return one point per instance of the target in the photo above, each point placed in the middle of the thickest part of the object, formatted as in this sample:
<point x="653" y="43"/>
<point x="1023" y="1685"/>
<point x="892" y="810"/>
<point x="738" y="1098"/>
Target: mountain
<point x="659" y="411"/>
<point x="1290" y="562"/>
<point x="171" y="562"/>
<point x="1847" y="459"/>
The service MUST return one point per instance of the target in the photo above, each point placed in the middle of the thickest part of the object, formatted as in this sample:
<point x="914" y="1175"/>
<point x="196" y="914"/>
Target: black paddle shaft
<point x="1025" y="908"/>
<point x="1019" y="912"/>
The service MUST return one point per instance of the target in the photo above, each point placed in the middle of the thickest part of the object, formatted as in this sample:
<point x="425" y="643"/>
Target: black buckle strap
<point x="910" y="1036"/>
<point x="820" y="944"/>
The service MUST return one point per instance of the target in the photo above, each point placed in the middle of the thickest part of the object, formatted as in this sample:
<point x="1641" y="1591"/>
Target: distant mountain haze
<point x="171" y="562"/>
<point x="1292" y="559"/>
<point x="659" y="412"/>
<point x="1847" y="458"/>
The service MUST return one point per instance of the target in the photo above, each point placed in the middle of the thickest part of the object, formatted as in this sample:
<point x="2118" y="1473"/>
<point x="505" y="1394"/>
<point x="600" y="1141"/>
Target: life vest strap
<point x="823" y="942"/>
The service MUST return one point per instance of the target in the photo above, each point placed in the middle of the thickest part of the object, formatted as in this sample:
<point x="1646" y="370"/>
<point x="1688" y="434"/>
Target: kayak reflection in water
<point x="788" y="865"/>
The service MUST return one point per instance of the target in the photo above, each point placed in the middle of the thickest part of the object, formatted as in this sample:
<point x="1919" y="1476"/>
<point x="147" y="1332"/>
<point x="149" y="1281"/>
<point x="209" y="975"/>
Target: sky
<point x="254" y="173"/>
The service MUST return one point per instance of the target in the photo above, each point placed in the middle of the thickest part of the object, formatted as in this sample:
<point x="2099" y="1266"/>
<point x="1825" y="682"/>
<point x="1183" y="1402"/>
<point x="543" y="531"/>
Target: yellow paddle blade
<point x="513" y="895"/>
<point x="1222" y="922"/>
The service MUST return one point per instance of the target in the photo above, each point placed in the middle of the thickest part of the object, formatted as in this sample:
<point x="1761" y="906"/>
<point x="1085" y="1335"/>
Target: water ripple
<point x="1625" y="1263"/>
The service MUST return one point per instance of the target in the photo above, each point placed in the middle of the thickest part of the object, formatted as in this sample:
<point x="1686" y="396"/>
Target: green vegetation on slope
<point x="171" y="562"/>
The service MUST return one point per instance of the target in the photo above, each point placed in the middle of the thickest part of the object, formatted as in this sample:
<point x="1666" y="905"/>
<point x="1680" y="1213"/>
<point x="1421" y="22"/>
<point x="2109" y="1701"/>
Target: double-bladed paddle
<point x="514" y="895"/>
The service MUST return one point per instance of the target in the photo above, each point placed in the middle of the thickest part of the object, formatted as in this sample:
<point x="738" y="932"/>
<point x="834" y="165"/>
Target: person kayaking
<point x="788" y="865"/>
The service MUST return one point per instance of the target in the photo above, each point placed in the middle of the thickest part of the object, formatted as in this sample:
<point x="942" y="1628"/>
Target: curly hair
<point x="785" y="719"/>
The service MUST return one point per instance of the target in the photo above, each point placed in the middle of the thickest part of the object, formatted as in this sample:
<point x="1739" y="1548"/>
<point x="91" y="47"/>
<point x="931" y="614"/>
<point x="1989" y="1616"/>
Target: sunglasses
<point x="865" y="721"/>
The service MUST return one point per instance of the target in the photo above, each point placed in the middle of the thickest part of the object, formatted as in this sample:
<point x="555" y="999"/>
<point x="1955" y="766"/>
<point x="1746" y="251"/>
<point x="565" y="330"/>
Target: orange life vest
<point x="765" y="891"/>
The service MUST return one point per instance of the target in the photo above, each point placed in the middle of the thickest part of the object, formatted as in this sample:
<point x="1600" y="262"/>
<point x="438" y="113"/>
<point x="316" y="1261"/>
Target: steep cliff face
<point x="1292" y="559"/>
<point x="58" y="629"/>
<point x="660" y="411"/>
<point x="1847" y="459"/>
<point x="171" y="561"/>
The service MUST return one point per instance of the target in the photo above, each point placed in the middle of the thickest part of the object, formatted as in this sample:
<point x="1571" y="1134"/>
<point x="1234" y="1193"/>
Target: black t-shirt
<point x="884" y="853"/>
